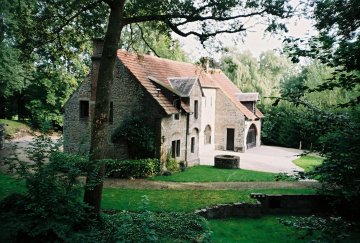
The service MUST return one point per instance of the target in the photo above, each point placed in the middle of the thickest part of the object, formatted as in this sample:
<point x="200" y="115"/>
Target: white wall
<point x="207" y="118"/>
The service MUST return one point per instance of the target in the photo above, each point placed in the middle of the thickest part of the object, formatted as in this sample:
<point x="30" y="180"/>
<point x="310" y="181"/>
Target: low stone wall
<point x="292" y="204"/>
<point x="269" y="204"/>
<point x="234" y="210"/>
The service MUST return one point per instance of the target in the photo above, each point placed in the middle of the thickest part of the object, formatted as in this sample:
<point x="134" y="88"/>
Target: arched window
<point x="207" y="134"/>
<point x="251" y="137"/>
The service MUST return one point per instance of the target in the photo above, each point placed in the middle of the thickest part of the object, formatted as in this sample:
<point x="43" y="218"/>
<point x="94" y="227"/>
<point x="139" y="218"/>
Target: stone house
<point x="190" y="110"/>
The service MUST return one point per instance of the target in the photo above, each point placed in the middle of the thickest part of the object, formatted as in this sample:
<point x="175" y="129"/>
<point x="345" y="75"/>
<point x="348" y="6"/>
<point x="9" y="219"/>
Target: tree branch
<point x="202" y="36"/>
<point x="146" y="43"/>
<point x="189" y="17"/>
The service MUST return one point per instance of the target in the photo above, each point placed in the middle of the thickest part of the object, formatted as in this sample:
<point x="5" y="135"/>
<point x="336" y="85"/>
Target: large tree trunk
<point x="99" y="135"/>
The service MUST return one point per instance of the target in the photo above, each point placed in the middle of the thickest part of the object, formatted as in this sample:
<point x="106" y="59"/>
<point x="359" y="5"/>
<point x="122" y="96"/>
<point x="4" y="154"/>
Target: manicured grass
<point x="182" y="200"/>
<point x="161" y="200"/>
<point x="14" y="126"/>
<point x="204" y="173"/>
<point x="264" y="229"/>
<point x="308" y="162"/>
<point x="10" y="185"/>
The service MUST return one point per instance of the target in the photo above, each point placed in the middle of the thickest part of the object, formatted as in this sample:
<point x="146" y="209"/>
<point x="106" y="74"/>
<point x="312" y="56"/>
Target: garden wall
<point x="269" y="204"/>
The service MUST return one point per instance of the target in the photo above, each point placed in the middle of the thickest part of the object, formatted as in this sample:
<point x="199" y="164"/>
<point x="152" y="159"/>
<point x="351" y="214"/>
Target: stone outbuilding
<point x="189" y="109"/>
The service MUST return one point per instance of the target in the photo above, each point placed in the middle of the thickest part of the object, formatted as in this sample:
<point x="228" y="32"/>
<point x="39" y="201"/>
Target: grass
<point x="264" y="229"/>
<point x="308" y="162"/>
<point x="10" y="185"/>
<point x="204" y="173"/>
<point x="182" y="200"/>
<point x="161" y="200"/>
<point x="14" y="127"/>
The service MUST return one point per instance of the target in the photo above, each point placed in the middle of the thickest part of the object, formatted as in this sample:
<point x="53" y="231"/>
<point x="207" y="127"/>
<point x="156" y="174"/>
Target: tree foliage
<point x="251" y="75"/>
<point x="337" y="45"/>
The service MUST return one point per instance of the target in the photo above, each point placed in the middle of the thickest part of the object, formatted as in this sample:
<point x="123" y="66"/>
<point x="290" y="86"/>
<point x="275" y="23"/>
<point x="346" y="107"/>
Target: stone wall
<point x="172" y="130"/>
<point x="234" y="210"/>
<point x="128" y="98"/>
<point x="292" y="204"/>
<point x="270" y="204"/>
<point x="228" y="116"/>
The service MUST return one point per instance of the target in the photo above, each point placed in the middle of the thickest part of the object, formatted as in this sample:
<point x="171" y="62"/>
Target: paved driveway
<point x="263" y="158"/>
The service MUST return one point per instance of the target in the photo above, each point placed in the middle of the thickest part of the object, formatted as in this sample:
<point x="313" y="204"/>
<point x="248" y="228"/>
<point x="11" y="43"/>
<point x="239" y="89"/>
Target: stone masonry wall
<point x="128" y="98"/>
<point x="228" y="116"/>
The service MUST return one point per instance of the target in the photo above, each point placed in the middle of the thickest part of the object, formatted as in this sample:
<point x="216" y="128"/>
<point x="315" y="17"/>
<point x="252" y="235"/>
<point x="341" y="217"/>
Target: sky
<point x="254" y="41"/>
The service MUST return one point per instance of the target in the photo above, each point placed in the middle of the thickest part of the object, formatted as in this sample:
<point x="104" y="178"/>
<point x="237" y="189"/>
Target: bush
<point x="156" y="227"/>
<point x="51" y="210"/>
<point x="66" y="160"/>
<point x="132" y="168"/>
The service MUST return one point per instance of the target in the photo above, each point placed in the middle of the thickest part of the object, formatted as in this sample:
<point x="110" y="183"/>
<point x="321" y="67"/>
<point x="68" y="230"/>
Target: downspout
<point x="186" y="138"/>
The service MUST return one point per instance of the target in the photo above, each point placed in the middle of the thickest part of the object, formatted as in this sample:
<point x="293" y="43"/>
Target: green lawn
<point x="14" y="126"/>
<point x="265" y="229"/>
<point x="308" y="162"/>
<point x="9" y="185"/>
<point x="161" y="200"/>
<point x="204" y="173"/>
<point x="182" y="200"/>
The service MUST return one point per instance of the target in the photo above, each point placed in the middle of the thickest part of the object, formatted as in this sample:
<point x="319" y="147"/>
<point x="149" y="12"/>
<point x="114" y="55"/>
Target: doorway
<point x="230" y="137"/>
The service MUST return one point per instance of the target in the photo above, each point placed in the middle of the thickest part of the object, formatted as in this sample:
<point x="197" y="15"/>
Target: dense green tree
<point x="252" y="75"/>
<point x="337" y="47"/>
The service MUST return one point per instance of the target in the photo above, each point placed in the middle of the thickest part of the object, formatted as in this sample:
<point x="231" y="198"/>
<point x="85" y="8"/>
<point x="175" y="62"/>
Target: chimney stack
<point x="98" y="45"/>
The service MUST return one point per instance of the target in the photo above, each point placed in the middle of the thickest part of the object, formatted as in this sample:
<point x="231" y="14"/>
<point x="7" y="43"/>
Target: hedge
<point x="114" y="168"/>
<point x="132" y="168"/>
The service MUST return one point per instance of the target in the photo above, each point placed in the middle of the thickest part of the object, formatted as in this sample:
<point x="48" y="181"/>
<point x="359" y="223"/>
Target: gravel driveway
<point x="263" y="158"/>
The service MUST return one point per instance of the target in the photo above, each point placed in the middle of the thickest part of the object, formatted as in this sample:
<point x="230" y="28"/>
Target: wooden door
<point x="230" y="136"/>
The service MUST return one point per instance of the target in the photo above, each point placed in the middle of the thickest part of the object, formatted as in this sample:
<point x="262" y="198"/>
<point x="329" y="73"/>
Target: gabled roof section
<point x="183" y="84"/>
<point x="161" y="70"/>
<point x="230" y="90"/>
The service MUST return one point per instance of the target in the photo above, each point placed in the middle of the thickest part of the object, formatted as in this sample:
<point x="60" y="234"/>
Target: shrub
<point x="138" y="135"/>
<point x="51" y="209"/>
<point x="66" y="160"/>
<point x="156" y="227"/>
<point x="132" y="168"/>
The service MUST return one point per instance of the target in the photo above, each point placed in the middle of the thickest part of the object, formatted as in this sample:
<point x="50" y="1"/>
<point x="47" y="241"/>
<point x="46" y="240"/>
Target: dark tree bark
<point x="98" y="140"/>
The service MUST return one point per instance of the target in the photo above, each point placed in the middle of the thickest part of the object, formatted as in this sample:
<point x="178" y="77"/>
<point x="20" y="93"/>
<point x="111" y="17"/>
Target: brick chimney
<point x="98" y="45"/>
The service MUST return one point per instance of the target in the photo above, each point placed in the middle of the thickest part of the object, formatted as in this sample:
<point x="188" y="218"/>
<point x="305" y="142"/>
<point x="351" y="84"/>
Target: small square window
<point x="111" y="113"/>
<point x="84" y="109"/>
<point x="177" y="116"/>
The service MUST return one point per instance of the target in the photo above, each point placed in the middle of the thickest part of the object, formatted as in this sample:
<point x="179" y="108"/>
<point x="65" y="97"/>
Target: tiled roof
<point x="145" y="66"/>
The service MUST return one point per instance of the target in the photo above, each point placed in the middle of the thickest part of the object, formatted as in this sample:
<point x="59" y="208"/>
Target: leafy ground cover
<point x="14" y="127"/>
<point x="308" y="162"/>
<point x="203" y="173"/>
